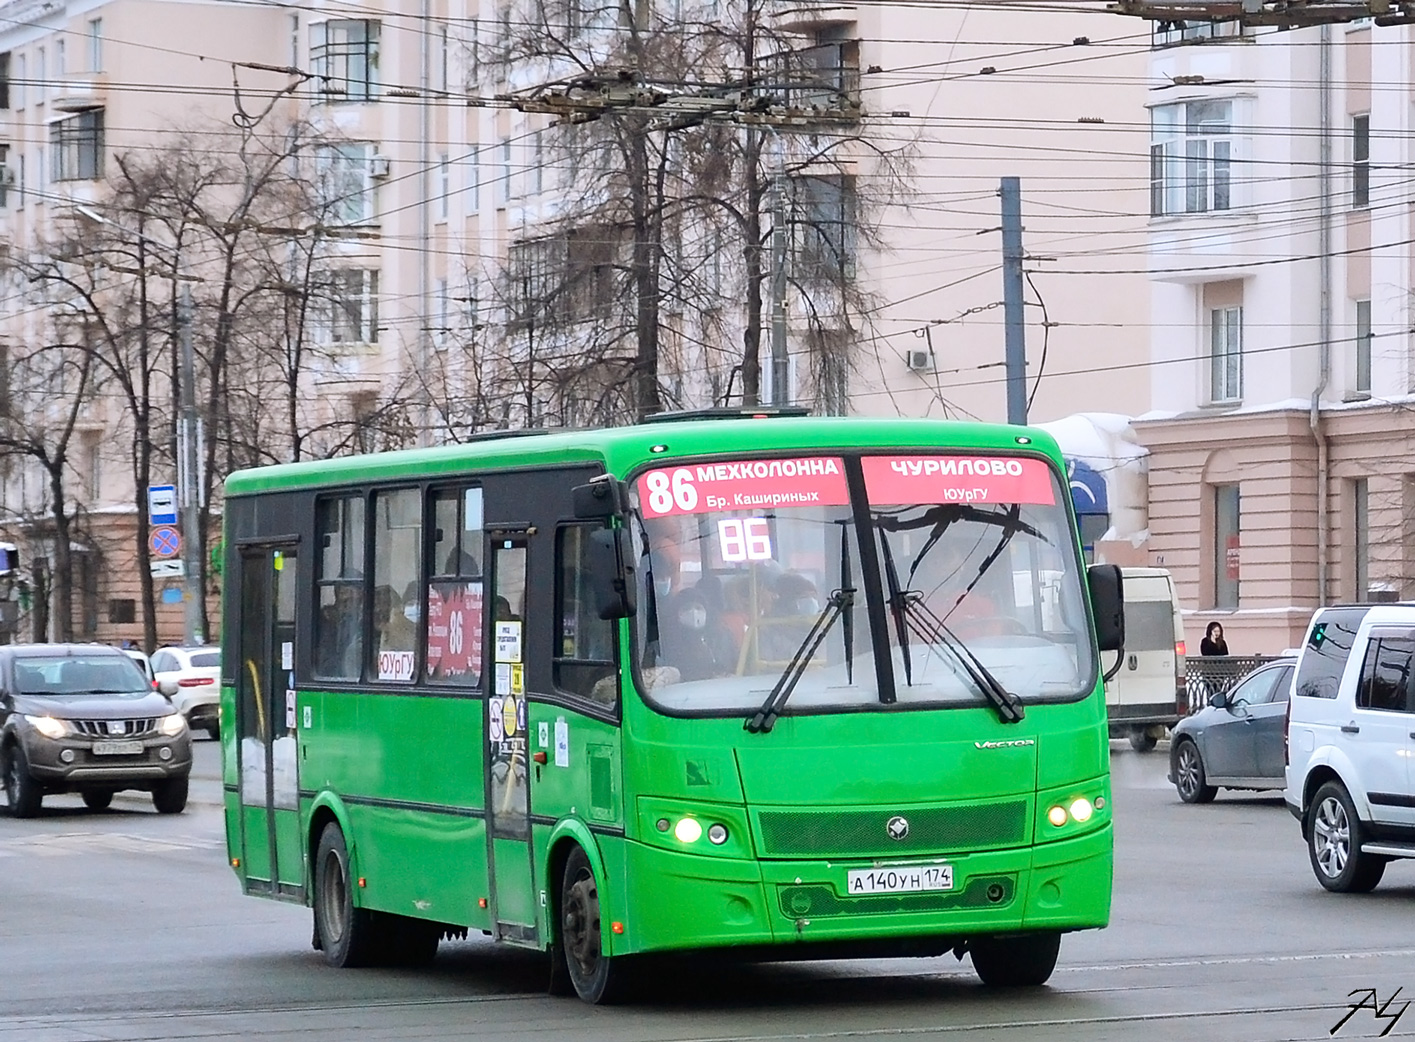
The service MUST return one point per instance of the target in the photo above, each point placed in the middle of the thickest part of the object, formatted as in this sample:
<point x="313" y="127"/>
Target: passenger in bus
<point x="791" y="609"/>
<point x="692" y="640"/>
<point x="340" y="639"/>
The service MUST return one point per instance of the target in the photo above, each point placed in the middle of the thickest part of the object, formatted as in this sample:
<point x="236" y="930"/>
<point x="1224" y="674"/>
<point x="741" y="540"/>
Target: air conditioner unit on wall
<point x="380" y="166"/>
<point x="7" y="176"/>
<point x="919" y="359"/>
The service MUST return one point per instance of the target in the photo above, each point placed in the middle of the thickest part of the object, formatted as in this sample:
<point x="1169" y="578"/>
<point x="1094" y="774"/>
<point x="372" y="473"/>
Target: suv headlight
<point x="172" y="725"/>
<point x="49" y="726"/>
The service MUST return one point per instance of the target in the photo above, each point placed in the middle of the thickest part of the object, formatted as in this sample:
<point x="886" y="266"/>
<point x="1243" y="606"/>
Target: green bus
<point x="779" y="686"/>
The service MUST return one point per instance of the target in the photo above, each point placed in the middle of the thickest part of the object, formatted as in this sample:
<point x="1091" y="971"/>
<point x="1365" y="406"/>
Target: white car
<point x="191" y="678"/>
<point x="1350" y="733"/>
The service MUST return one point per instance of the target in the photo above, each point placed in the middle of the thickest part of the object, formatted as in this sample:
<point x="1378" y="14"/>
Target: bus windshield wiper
<point x="764" y="719"/>
<point x="934" y="630"/>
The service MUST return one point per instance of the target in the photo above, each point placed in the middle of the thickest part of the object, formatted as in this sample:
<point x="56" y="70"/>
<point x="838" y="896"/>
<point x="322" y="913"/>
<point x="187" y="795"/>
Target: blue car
<point x="1236" y="742"/>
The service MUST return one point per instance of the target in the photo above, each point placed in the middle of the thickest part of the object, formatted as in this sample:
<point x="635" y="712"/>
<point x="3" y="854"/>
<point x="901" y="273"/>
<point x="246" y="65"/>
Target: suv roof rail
<point x="728" y="412"/>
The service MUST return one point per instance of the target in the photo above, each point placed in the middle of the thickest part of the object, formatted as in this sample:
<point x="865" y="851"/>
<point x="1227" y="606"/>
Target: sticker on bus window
<point x="910" y="480"/>
<point x="562" y="742"/>
<point x="508" y="642"/>
<point x="396" y="665"/>
<point x="702" y="488"/>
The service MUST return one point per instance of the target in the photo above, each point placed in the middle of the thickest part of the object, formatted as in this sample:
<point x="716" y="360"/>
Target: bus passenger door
<point x="272" y="855"/>
<point x="507" y="788"/>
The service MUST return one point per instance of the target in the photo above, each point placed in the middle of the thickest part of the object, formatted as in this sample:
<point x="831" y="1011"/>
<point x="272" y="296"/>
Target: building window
<point x="1226" y="354"/>
<point x="77" y="146"/>
<point x="353" y="306"/>
<point x="344" y="58"/>
<point x="441" y="333"/>
<point x="444" y="185"/>
<point x="60" y="63"/>
<point x="1363" y="347"/>
<point x="1226" y="547"/>
<point x="5" y="81"/>
<point x="95" y="45"/>
<point x="505" y="191"/>
<point x="1360" y="160"/>
<point x="122" y="611"/>
<point x="1191" y="154"/>
<point x="397" y="586"/>
<point x="1170" y="33"/>
<point x="825" y="226"/>
<point x="41" y="75"/>
<point x="444" y="58"/>
<point x="1361" y="542"/>
<point x="344" y="174"/>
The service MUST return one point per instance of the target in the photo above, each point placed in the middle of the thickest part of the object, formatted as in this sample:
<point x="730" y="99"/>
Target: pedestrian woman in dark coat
<point x="1213" y="642"/>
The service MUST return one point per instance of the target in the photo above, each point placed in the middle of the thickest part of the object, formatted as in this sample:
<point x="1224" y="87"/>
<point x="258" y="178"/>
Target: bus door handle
<point x="1353" y="729"/>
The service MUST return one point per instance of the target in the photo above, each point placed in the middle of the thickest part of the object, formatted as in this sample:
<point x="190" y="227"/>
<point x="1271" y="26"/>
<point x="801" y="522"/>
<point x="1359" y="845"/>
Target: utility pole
<point x="1015" y="338"/>
<point x="780" y="363"/>
<point x="187" y="476"/>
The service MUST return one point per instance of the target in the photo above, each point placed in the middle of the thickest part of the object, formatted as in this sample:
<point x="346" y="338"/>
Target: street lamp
<point x="188" y="435"/>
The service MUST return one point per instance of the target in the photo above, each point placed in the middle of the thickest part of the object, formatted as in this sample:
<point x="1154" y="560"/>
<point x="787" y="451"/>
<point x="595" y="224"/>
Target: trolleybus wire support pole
<point x="1015" y="335"/>
<point x="187" y="468"/>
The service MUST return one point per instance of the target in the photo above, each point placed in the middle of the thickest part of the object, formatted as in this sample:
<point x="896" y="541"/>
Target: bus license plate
<point x="117" y="748"/>
<point x="906" y="879"/>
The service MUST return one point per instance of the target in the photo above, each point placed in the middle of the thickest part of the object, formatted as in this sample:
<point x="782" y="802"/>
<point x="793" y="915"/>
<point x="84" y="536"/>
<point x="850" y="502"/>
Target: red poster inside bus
<point x="454" y="630"/>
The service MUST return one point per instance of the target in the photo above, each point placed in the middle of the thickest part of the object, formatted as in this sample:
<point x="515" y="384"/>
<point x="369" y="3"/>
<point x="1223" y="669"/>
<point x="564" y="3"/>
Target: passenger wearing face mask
<point x="692" y="641"/>
<point x="795" y="603"/>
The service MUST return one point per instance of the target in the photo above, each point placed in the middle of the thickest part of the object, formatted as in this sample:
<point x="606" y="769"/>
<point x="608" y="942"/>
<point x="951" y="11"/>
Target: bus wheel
<point x="596" y="977"/>
<point x="346" y="933"/>
<point x="1022" y="960"/>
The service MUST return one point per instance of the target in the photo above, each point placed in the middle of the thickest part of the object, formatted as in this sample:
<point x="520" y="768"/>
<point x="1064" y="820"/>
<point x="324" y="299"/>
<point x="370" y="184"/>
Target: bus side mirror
<point x="1108" y="605"/>
<point x="603" y="498"/>
<point x="610" y="568"/>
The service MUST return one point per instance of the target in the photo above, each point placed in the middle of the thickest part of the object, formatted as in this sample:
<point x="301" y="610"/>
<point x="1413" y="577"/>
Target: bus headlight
<point x="717" y="835"/>
<point x="1057" y="816"/>
<point x="688" y="830"/>
<point x="1081" y="809"/>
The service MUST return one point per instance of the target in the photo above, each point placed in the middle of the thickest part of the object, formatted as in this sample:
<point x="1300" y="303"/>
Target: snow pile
<point x="1107" y="443"/>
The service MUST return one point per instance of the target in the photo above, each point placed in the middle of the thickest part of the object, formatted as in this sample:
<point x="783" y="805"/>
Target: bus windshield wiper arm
<point x="764" y="719"/>
<point x="935" y="631"/>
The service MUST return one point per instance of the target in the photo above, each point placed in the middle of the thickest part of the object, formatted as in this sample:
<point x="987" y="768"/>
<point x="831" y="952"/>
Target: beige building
<point x="1281" y="467"/>
<point x="437" y="194"/>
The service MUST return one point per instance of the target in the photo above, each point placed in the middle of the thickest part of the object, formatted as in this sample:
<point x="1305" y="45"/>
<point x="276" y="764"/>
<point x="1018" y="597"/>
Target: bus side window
<point x="339" y="631"/>
<point x="455" y="591"/>
<point x="585" y="662"/>
<point x="397" y="586"/>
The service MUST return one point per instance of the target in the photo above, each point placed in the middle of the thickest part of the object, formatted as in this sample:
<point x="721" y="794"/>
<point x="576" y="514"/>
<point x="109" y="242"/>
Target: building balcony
<point x="808" y="17"/>
<point x="81" y="92"/>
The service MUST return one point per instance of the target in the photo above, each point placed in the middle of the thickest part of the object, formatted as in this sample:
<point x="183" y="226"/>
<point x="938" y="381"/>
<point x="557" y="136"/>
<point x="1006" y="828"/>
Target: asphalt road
<point x="125" y="925"/>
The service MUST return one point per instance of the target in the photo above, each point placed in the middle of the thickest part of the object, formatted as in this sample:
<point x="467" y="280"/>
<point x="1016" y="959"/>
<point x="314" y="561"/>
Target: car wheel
<point x="1189" y="778"/>
<point x="214" y="732"/>
<point x="1024" y="961"/>
<point x="1141" y="740"/>
<point x="594" y="976"/>
<point x="170" y="796"/>
<point x="98" y="799"/>
<point x="347" y="935"/>
<point x="22" y="793"/>
<point x="1334" y="835"/>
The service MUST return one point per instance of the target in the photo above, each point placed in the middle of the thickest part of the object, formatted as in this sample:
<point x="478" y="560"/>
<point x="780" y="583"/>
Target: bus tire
<point x="1141" y="740"/>
<point x="595" y="977"/>
<point x="346" y="934"/>
<point x="1019" y="961"/>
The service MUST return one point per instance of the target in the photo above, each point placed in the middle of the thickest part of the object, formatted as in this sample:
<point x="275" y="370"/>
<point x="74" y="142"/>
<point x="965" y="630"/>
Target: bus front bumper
<point x="689" y="901"/>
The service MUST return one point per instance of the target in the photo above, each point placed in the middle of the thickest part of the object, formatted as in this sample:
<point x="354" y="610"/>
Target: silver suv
<point x="1350" y="739"/>
<point x="83" y="718"/>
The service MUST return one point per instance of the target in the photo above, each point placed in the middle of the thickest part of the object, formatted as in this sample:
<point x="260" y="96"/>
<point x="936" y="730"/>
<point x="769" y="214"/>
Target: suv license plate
<point x="117" y="748"/>
<point x="906" y="879"/>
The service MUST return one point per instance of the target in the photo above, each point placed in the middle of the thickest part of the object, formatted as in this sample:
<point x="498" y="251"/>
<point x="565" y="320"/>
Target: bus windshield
<point x="964" y="568"/>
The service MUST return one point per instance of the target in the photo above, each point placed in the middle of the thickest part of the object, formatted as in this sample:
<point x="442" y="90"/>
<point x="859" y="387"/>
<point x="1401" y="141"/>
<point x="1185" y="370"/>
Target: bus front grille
<point x="865" y="833"/>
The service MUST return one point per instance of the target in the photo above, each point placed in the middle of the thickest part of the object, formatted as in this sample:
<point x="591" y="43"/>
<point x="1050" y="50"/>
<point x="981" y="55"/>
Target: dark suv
<point x="83" y="718"/>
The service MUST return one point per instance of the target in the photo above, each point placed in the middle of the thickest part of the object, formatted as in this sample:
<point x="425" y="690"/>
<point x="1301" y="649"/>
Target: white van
<point x="1148" y="693"/>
